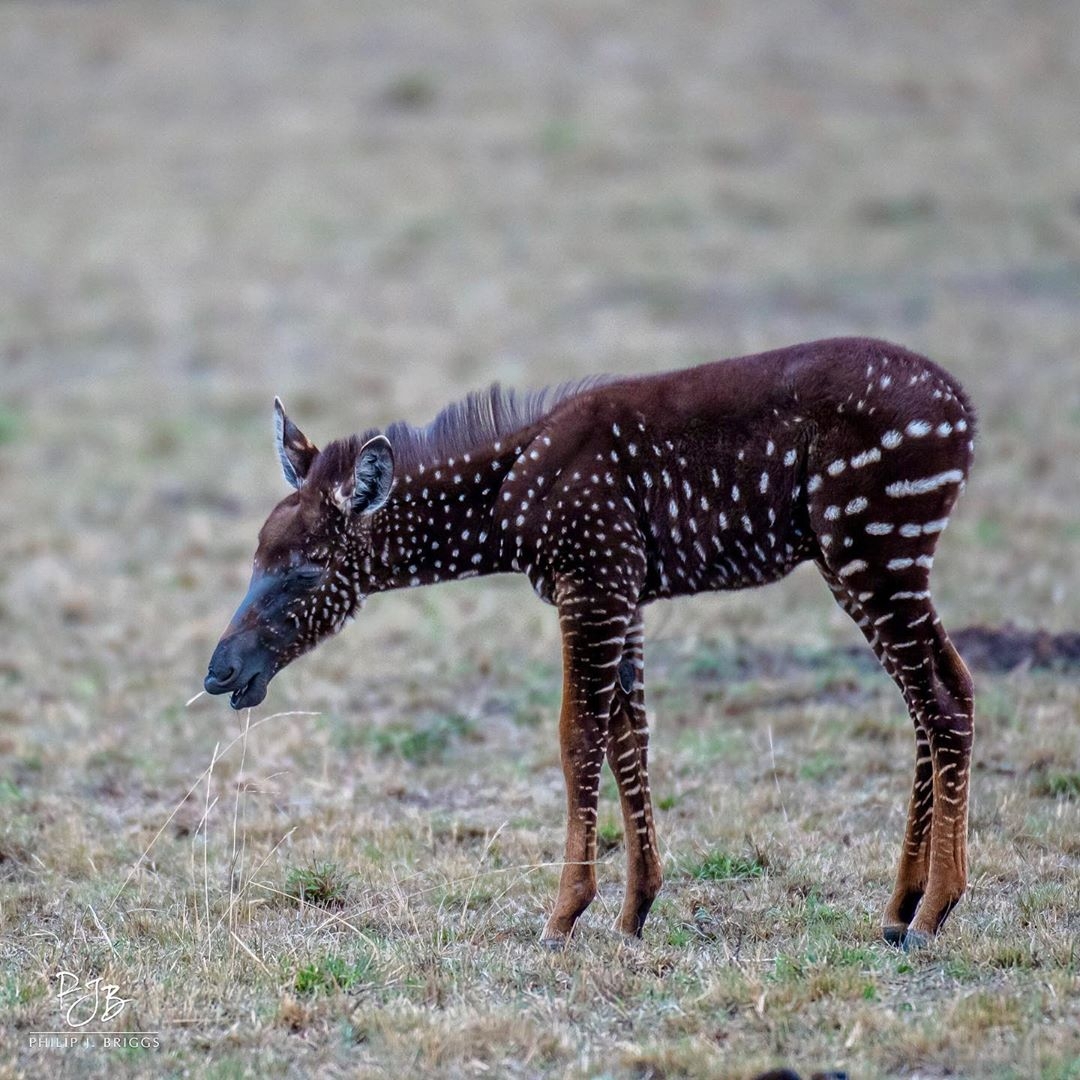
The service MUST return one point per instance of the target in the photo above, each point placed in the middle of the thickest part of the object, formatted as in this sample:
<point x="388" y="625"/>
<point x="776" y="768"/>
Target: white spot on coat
<point x="923" y="485"/>
<point x="852" y="567"/>
<point x="867" y="457"/>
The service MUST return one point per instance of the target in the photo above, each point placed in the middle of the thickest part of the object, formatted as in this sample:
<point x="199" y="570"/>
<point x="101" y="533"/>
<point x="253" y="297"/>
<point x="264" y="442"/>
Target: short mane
<point x="478" y="420"/>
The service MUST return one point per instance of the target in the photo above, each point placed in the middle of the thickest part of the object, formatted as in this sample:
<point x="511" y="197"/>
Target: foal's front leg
<point x="627" y="752"/>
<point x="593" y="632"/>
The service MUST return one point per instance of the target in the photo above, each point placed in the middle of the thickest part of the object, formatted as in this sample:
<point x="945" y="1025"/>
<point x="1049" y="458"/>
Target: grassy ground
<point x="371" y="211"/>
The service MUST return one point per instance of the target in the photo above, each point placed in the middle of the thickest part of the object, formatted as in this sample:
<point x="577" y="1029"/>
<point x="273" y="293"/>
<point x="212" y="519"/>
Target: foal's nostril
<point x="221" y="675"/>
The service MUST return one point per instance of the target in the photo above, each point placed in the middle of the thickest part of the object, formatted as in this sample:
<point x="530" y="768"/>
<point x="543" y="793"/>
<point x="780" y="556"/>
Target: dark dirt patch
<point x="1008" y="647"/>
<point x="984" y="648"/>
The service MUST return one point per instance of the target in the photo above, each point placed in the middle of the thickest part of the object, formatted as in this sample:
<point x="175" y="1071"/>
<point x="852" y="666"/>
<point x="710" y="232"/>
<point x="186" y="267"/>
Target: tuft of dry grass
<point x="324" y="884"/>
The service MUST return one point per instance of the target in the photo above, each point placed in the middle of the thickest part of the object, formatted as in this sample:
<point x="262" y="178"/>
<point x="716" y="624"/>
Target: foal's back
<point x="729" y="474"/>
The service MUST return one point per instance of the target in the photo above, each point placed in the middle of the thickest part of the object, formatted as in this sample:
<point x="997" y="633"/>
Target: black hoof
<point x="894" y="935"/>
<point x="916" y="941"/>
<point x="554" y="944"/>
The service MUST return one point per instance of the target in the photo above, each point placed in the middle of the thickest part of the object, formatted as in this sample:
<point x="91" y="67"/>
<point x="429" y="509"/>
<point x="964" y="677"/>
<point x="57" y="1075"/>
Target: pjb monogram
<point x="89" y="1001"/>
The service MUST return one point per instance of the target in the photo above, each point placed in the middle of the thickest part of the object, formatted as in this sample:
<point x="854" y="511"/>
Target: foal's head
<point x="312" y="563"/>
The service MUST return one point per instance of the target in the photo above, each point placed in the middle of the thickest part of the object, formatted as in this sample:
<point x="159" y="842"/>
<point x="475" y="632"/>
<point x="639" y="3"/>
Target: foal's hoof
<point x="554" y="942"/>
<point x="916" y="941"/>
<point x="894" y="934"/>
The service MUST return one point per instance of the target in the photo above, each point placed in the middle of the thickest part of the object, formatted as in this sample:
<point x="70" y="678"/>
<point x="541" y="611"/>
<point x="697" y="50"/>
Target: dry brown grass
<point x="370" y="212"/>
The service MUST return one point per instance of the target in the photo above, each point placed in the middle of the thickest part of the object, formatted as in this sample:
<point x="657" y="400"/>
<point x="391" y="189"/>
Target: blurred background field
<point x="371" y="209"/>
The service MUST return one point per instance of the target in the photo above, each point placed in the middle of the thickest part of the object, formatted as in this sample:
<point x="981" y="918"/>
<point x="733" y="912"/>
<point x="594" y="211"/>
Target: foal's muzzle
<point x="241" y="667"/>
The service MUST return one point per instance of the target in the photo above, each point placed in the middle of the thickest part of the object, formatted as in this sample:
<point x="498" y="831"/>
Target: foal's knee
<point x="952" y="716"/>
<point x="953" y="675"/>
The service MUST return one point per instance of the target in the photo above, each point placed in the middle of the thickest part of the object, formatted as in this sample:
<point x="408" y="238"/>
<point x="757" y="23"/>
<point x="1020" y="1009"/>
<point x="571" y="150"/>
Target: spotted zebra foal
<point x="610" y="494"/>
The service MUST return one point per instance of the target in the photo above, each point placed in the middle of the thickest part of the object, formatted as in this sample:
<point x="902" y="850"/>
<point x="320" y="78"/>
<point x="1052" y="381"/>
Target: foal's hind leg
<point x="950" y="726"/>
<point x="899" y="620"/>
<point x="913" y="868"/>
<point x="914" y="865"/>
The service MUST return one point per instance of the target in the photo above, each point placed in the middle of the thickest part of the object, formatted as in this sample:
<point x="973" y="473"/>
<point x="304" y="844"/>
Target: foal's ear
<point x="295" y="452"/>
<point x="373" y="476"/>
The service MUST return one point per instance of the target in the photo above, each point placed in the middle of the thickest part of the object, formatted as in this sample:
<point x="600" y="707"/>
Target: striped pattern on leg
<point x="627" y="753"/>
<point x="594" y="632"/>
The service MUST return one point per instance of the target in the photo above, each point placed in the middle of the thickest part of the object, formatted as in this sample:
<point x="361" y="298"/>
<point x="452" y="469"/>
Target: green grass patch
<point x="13" y="992"/>
<point x="324" y="884"/>
<point x="1057" y="785"/>
<point x="722" y="866"/>
<point x="332" y="973"/>
<point x="819" y="913"/>
<point x="425" y="744"/>
<point x="682" y="935"/>
<point x="819" y="766"/>
<point x="609" y="836"/>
